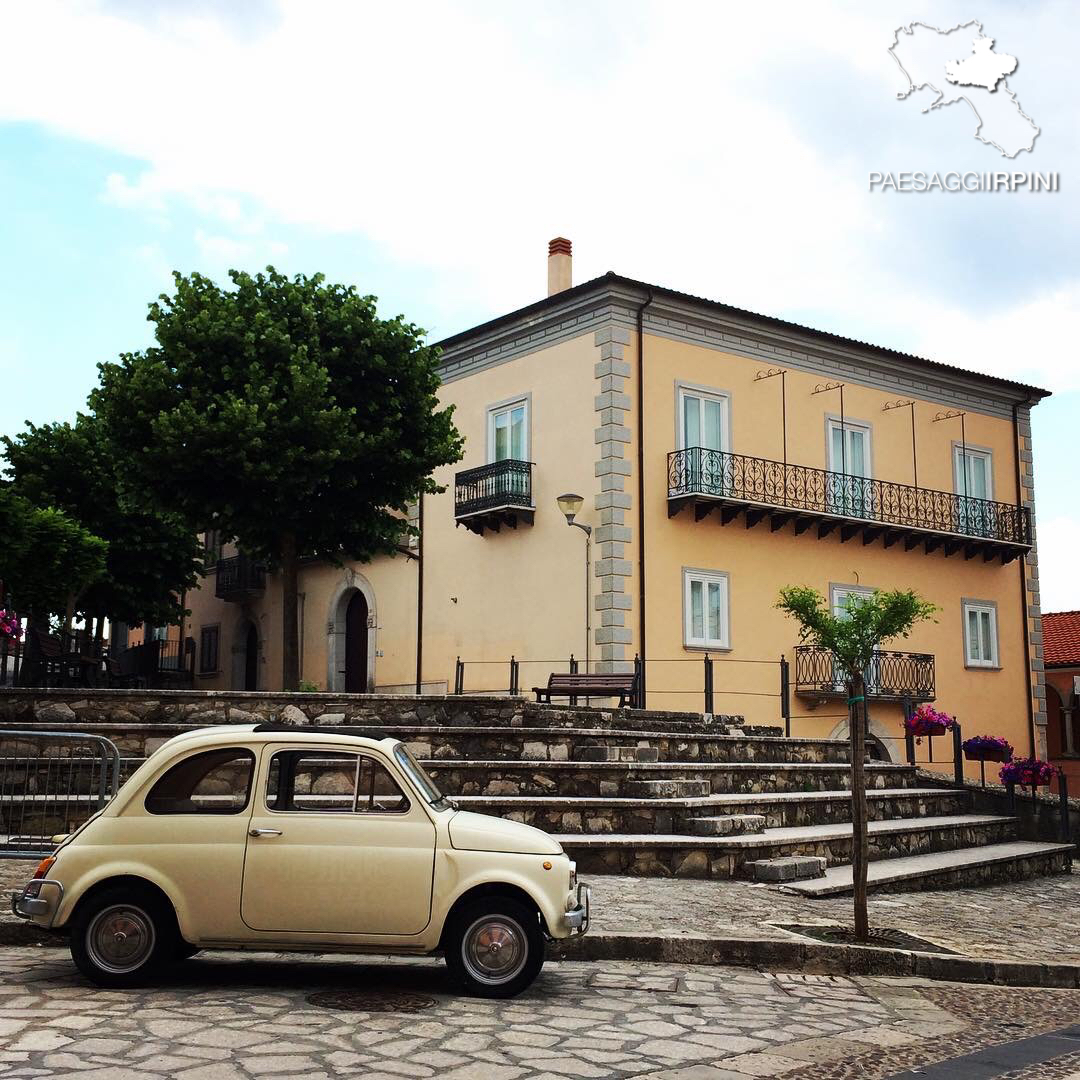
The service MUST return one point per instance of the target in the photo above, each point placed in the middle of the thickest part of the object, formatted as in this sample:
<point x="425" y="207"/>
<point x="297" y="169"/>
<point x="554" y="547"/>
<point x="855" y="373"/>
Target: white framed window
<point x="974" y="479"/>
<point x="973" y="472"/>
<point x="704" y="419"/>
<point x="848" y="490"/>
<point x="706" y="609"/>
<point x="849" y="448"/>
<point x="980" y="634"/>
<point x="839" y="596"/>
<point x="508" y="431"/>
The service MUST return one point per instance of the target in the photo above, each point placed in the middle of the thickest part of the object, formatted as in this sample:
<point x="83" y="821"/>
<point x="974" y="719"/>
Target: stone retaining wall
<point x="82" y="708"/>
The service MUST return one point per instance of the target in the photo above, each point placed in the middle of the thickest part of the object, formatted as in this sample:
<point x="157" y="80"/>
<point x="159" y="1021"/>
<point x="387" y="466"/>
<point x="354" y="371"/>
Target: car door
<point x="192" y="824"/>
<point x="336" y="846"/>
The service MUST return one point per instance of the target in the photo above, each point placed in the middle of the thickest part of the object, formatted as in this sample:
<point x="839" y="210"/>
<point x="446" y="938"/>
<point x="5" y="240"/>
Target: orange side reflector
<point x="44" y="865"/>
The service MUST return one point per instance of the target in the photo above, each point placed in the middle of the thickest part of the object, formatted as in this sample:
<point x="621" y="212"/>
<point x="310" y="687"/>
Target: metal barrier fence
<point x="51" y="782"/>
<point x="492" y="677"/>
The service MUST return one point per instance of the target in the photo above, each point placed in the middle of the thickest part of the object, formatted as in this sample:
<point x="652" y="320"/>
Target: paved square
<point x="224" y="1016"/>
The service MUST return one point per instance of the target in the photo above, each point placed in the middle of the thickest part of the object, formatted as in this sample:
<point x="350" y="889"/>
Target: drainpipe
<point x="1023" y="588"/>
<point x="420" y="597"/>
<point x="641" y="488"/>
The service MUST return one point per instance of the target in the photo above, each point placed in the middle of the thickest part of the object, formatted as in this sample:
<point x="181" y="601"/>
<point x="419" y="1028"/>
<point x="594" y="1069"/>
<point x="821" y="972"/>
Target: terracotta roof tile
<point x="1061" y="638"/>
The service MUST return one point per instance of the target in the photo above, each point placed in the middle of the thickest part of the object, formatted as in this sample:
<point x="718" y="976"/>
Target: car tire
<point x="121" y="937"/>
<point x="494" y="947"/>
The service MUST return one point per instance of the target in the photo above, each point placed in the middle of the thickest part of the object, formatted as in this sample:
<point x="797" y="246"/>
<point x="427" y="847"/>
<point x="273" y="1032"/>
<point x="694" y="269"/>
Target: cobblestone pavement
<point x="226" y="1017"/>
<point x="1025" y="920"/>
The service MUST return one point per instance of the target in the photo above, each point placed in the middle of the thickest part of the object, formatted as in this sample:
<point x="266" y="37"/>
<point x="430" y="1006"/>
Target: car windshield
<point x="421" y="781"/>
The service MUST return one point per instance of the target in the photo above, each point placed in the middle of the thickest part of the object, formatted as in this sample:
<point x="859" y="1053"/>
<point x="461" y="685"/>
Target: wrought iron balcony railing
<point x="891" y="676"/>
<point x="239" y="577"/>
<point x="501" y="485"/>
<point x="697" y="473"/>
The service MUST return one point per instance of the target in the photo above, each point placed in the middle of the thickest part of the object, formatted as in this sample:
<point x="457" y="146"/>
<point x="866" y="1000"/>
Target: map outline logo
<point x="979" y="76"/>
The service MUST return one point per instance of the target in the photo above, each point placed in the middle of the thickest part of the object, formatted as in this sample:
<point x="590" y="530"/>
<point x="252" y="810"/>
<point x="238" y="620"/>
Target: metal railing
<point x="504" y="676"/>
<point x="502" y="483"/>
<point x="51" y="782"/>
<point x="239" y="576"/>
<point x="890" y="676"/>
<point x="720" y="475"/>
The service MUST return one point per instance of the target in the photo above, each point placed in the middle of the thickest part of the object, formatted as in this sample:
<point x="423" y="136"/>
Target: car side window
<point x="213" y="782"/>
<point x="328" y="780"/>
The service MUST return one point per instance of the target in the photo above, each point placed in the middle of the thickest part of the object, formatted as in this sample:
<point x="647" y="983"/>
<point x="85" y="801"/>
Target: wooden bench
<point x="624" y="686"/>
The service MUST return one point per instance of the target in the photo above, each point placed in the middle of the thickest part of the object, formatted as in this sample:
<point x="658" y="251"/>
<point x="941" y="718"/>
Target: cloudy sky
<point x="427" y="152"/>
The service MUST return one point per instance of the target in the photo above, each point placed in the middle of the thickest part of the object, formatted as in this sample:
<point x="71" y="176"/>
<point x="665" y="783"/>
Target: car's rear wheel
<point x="494" y="947"/>
<point x="121" y="937"/>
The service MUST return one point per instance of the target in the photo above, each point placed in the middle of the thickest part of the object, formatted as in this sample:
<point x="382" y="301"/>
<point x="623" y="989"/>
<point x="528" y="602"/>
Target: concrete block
<point x="790" y="868"/>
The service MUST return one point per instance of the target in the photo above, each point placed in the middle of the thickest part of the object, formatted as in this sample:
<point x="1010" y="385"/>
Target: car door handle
<point x="264" y="832"/>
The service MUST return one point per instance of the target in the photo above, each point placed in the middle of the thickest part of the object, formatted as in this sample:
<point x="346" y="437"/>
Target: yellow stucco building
<point x="721" y="454"/>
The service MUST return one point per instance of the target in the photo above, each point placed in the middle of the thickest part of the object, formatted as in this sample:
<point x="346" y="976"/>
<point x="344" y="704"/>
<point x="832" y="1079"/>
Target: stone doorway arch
<point x="881" y="744"/>
<point x="350" y="627"/>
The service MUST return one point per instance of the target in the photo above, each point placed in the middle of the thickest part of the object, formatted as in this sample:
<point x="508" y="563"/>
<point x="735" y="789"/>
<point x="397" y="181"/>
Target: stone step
<point x="793" y="809"/>
<point x="462" y="741"/>
<point x="1005" y="862"/>
<point x="617" y="753"/>
<point x="587" y="778"/>
<point x="727" y="825"/>
<point x="729" y="856"/>
<point x="569" y="814"/>
<point x="666" y="789"/>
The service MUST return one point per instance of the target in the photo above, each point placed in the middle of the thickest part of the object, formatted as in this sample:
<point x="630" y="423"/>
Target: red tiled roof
<point x="1061" y="638"/>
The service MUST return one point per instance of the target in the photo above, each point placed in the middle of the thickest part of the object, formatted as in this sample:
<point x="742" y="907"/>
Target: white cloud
<point x="458" y="138"/>
<point x="1032" y="341"/>
<point x="1059" y="542"/>
<point x="219" y="249"/>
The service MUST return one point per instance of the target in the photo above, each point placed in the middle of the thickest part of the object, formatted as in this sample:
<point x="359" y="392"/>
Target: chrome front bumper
<point x="29" y="903"/>
<point x="577" y="918"/>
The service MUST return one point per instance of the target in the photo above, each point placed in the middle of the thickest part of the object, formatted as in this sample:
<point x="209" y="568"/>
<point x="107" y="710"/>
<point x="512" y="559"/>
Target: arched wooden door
<point x="356" y="645"/>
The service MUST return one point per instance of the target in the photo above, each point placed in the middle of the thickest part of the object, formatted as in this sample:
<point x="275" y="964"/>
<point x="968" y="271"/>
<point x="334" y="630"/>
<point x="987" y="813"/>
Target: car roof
<point x="264" y="733"/>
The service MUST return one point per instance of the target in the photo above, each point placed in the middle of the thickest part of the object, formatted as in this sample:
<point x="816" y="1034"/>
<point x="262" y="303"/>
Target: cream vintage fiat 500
<point x="271" y="837"/>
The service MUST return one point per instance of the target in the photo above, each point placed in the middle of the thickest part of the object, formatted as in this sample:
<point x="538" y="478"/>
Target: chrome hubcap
<point x="120" y="938"/>
<point x="495" y="949"/>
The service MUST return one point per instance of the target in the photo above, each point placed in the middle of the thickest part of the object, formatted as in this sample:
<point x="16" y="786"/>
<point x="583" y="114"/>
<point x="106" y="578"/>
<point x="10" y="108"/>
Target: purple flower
<point x="926" y="720"/>
<point x="1027" y="772"/>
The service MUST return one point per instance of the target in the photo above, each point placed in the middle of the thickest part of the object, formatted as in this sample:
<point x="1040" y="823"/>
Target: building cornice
<point x="680" y="317"/>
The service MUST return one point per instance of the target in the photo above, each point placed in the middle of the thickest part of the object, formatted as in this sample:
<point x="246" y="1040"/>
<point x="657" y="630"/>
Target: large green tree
<point x="153" y="555"/>
<point x="853" y="636"/>
<point x="286" y="414"/>
<point x="47" y="560"/>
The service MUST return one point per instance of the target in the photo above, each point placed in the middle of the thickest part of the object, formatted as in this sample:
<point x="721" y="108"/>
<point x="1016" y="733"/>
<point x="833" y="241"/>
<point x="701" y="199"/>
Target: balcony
<point x="892" y="676"/>
<point x="239" y="578"/>
<point x="764" y="490"/>
<point x="494" y="495"/>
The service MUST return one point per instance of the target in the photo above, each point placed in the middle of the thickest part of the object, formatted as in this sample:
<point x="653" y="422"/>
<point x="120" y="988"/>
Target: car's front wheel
<point x="120" y="937"/>
<point x="494" y="947"/>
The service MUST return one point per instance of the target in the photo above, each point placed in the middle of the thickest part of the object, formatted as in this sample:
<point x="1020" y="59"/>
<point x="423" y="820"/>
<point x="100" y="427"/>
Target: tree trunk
<point x="290" y="637"/>
<point x="859" y="845"/>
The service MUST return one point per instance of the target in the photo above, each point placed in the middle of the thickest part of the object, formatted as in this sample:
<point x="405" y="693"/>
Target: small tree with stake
<point x="852" y="637"/>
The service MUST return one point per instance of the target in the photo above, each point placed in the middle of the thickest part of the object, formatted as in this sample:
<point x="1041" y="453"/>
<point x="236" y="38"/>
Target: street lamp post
<point x="571" y="505"/>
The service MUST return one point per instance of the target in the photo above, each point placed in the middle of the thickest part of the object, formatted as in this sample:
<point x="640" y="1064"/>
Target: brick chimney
<point x="559" y="265"/>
